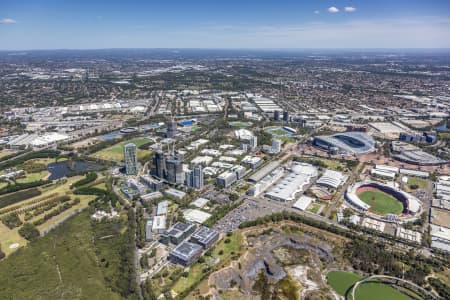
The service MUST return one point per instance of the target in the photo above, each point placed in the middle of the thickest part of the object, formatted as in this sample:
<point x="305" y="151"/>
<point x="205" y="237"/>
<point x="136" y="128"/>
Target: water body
<point x="149" y="126"/>
<point x="112" y="135"/>
<point x="60" y="169"/>
<point x="443" y="128"/>
<point x="118" y="134"/>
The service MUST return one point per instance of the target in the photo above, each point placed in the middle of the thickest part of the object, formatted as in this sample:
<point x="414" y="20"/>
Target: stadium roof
<point x="419" y="157"/>
<point x="332" y="179"/>
<point x="353" y="142"/>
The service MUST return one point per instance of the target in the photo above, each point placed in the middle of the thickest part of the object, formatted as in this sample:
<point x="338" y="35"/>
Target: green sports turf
<point x="341" y="282"/>
<point x="381" y="203"/>
<point x="376" y="290"/>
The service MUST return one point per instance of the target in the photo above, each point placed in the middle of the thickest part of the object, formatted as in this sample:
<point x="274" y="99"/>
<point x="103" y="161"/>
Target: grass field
<point x="421" y="183"/>
<point x="314" y="207"/>
<point x="9" y="237"/>
<point x="30" y="177"/>
<point x="378" y="290"/>
<point x="341" y="282"/>
<point x="101" y="186"/>
<point x="5" y="153"/>
<point x="278" y="132"/>
<point x="65" y="264"/>
<point x="228" y="249"/>
<point x="115" y="152"/>
<point x="332" y="164"/>
<point x="381" y="203"/>
<point x="195" y="127"/>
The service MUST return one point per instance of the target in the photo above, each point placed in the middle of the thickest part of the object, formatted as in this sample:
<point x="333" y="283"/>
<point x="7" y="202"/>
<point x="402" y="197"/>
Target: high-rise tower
<point x="130" y="157"/>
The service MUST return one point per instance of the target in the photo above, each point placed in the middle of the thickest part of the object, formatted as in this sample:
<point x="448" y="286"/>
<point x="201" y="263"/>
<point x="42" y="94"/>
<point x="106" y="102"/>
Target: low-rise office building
<point x="205" y="236"/>
<point x="185" y="253"/>
<point x="177" y="233"/>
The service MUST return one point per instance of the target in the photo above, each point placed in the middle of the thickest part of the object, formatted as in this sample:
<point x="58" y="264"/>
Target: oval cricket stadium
<point x="382" y="200"/>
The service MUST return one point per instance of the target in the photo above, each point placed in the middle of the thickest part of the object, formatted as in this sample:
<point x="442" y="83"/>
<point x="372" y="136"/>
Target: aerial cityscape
<point x="134" y="169"/>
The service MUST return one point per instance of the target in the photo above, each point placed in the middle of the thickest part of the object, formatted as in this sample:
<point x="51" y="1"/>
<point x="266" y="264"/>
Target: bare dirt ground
<point x="284" y="250"/>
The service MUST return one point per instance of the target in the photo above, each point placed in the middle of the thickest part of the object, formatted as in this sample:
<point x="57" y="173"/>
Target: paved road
<point x="288" y="207"/>
<point x="408" y="283"/>
<point x="352" y="178"/>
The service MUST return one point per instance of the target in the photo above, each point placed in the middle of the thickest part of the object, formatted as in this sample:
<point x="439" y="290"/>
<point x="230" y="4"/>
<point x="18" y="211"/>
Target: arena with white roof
<point x="332" y="179"/>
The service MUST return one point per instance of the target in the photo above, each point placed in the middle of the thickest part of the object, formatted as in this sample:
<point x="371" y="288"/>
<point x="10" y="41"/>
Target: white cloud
<point x="403" y="33"/>
<point x="7" y="21"/>
<point x="316" y="12"/>
<point x="350" y="9"/>
<point x="333" y="10"/>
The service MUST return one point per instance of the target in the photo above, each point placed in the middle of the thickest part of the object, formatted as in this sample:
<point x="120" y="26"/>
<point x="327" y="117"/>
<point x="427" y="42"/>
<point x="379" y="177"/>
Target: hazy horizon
<point x="287" y="24"/>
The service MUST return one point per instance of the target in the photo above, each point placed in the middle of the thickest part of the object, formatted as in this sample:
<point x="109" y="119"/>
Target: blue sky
<point x="80" y="24"/>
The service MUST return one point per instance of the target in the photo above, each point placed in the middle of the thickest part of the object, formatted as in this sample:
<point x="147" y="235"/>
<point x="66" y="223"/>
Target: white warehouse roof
<point x="332" y="179"/>
<point x="303" y="202"/>
<point x="296" y="179"/>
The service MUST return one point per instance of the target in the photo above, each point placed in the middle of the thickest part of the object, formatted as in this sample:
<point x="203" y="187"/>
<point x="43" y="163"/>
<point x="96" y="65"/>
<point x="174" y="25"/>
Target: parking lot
<point x="248" y="211"/>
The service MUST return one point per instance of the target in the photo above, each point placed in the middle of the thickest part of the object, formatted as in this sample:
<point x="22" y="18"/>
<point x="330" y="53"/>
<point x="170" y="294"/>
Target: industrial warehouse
<point x="293" y="182"/>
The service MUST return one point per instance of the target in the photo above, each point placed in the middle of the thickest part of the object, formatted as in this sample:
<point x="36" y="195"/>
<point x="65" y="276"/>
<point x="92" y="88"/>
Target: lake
<point x="60" y="169"/>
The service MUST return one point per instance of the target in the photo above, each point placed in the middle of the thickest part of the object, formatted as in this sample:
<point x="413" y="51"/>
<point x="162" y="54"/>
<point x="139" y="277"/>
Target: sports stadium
<point x="348" y="143"/>
<point x="382" y="200"/>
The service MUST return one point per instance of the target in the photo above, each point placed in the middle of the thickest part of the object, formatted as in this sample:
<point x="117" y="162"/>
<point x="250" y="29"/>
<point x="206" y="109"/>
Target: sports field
<point x="341" y="282"/>
<point x="115" y="152"/>
<point x="380" y="202"/>
<point x="280" y="133"/>
<point x="277" y="131"/>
